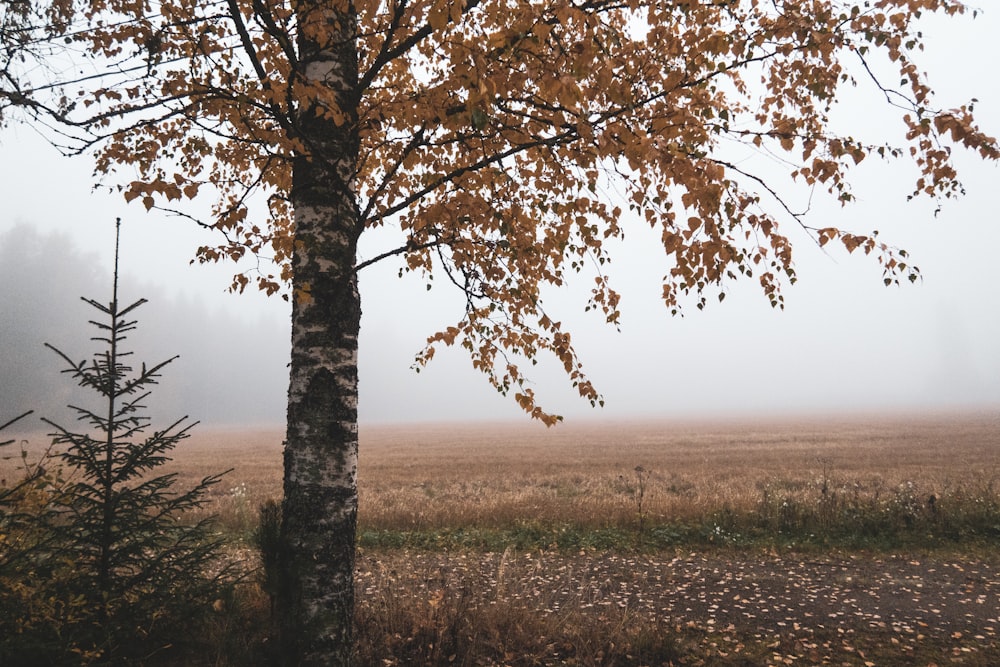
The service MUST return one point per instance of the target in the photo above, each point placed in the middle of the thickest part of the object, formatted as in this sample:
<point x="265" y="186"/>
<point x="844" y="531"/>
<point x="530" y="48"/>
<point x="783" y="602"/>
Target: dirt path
<point x="810" y="609"/>
<point x="907" y="595"/>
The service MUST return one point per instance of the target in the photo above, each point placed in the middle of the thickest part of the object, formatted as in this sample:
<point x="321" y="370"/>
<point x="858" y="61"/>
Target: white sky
<point x="843" y="343"/>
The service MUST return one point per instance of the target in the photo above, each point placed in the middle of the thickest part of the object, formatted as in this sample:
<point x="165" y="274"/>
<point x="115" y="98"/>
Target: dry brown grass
<point x="494" y="475"/>
<point x="437" y="476"/>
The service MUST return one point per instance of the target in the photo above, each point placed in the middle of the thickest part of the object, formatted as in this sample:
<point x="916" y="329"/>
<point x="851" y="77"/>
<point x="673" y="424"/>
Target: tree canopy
<point x="503" y="139"/>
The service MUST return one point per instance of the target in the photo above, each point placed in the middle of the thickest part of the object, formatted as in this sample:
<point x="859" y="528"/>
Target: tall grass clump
<point x="864" y="514"/>
<point x="119" y="574"/>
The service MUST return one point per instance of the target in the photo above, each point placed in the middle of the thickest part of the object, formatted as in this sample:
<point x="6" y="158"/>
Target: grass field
<point x="430" y="482"/>
<point x="851" y="541"/>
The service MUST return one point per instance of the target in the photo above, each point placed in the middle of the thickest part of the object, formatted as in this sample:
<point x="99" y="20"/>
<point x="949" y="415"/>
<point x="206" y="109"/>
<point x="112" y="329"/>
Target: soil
<point x="806" y="609"/>
<point x="908" y="595"/>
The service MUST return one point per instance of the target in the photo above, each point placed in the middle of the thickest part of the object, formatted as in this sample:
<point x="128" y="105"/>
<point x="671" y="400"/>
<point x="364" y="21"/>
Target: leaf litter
<point x="783" y="609"/>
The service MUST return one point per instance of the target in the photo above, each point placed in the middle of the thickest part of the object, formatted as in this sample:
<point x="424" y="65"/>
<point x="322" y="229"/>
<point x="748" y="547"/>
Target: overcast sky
<point x="843" y="343"/>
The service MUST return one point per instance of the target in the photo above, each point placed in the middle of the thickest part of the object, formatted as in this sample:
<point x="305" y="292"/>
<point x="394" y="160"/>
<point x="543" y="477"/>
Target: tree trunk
<point x="316" y="600"/>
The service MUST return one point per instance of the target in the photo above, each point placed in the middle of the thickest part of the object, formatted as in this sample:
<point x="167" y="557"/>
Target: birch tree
<point x="506" y="143"/>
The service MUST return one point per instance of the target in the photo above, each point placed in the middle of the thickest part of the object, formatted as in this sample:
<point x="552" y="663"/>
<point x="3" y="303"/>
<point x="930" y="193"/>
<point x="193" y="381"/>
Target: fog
<point x="843" y="344"/>
<point x="230" y="369"/>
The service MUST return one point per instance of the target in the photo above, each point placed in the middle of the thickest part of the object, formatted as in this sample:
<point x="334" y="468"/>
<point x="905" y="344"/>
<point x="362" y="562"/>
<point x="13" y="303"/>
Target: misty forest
<point x="230" y="370"/>
<point x="501" y="150"/>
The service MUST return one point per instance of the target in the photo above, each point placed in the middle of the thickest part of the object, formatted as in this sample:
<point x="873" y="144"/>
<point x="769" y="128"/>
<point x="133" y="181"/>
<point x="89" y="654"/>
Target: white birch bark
<point x="316" y="598"/>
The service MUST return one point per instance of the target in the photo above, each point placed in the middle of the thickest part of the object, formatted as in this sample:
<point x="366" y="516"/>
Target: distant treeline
<point x="231" y="370"/>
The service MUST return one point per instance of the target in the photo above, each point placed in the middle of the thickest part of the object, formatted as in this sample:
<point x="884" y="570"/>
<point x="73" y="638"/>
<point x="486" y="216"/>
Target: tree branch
<point x="409" y="247"/>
